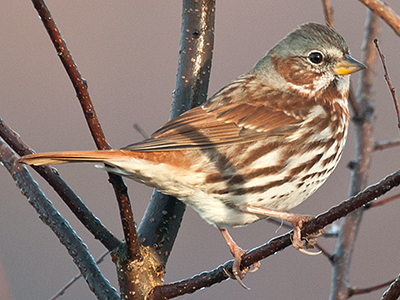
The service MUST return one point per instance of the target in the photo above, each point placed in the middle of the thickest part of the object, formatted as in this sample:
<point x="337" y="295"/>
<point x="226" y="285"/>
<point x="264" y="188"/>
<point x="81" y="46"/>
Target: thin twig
<point x="76" y="277"/>
<point x="80" y="86"/>
<point x="217" y="275"/>
<point x="325" y="253"/>
<point x="387" y="78"/>
<point x="382" y="10"/>
<point x="357" y="291"/>
<point x="393" y="292"/>
<point x="61" y="228"/>
<point x="382" y="201"/>
<point x="328" y="12"/>
<point x="140" y="129"/>
<point x="386" y="144"/>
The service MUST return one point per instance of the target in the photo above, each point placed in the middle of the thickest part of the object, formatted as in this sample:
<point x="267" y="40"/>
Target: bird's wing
<point x="233" y="115"/>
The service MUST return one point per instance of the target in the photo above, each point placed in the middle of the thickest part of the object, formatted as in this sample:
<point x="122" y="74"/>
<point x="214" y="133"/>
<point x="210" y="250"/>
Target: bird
<point x="257" y="148"/>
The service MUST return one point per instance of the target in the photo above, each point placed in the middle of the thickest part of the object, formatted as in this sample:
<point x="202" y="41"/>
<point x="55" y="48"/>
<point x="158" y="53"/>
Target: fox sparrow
<point x="258" y="147"/>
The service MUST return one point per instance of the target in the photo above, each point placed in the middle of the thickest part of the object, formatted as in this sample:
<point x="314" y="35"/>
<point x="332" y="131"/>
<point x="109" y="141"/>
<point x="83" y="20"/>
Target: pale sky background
<point x="127" y="51"/>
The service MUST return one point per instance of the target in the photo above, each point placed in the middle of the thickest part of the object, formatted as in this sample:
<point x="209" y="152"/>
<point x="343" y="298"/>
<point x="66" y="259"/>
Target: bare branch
<point x="354" y="106"/>
<point x="80" y="86"/>
<point x="217" y="275"/>
<point x="76" y="277"/>
<point x="393" y="292"/>
<point x="328" y="12"/>
<point x="357" y="291"/>
<point x="386" y="144"/>
<point x="364" y="149"/>
<point x="382" y="201"/>
<point x="382" y="10"/>
<point x="161" y="222"/>
<point x="325" y="253"/>
<point x="93" y="224"/>
<point x="139" y="129"/>
<point x="386" y="76"/>
<point x="50" y="216"/>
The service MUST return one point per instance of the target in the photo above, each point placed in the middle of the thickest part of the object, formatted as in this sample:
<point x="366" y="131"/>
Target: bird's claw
<point x="309" y="241"/>
<point x="255" y="266"/>
<point x="238" y="276"/>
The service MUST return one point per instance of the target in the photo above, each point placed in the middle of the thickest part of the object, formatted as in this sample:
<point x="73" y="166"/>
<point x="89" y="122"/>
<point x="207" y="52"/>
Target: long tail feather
<point x="54" y="158"/>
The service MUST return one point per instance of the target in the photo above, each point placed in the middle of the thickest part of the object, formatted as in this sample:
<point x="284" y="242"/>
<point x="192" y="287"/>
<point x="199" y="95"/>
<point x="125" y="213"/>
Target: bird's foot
<point x="309" y="241"/>
<point x="237" y="253"/>
<point x="297" y="221"/>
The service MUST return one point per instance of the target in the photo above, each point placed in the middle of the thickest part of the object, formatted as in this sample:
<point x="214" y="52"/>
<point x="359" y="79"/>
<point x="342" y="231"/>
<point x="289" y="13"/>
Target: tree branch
<point x="76" y="278"/>
<point x="81" y="89"/>
<point x="50" y="216"/>
<point x="360" y="173"/>
<point x="218" y="275"/>
<point x="387" y="78"/>
<point x="328" y="12"/>
<point x="393" y="292"/>
<point x="161" y="222"/>
<point x="357" y="291"/>
<point x="382" y="201"/>
<point x="80" y="210"/>
<point x="386" y="144"/>
<point x="382" y="10"/>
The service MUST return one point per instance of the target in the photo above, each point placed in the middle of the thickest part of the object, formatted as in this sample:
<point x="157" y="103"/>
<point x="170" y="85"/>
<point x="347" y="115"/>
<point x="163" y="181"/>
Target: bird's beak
<point x="348" y="65"/>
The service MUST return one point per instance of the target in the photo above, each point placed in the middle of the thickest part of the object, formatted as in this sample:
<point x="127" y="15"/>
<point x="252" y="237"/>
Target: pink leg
<point x="237" y="253"/>
<point x="295" y="219"/>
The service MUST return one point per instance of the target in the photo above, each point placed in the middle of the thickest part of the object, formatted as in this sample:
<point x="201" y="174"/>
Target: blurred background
<point x="128" y="51"/>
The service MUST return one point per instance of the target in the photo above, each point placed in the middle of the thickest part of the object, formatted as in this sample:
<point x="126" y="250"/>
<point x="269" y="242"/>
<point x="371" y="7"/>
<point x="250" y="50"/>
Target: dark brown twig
<point x="382" y="201"/>
<point x="325" y="253"/>
<point x="217" y="275"/>
<point x="61" y="228"/>
<point x="328" y="12"/>
<point x="80" y="86"/>
<point x="393" y="292"/>
<point x="358" y="291"/>
<point x="387" y="78"/>
<point x="382" y="10"/>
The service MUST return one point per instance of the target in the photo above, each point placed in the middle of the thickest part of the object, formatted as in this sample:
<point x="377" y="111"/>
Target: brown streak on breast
<point x="253" y="155"/>
<point x="305" y="166"/>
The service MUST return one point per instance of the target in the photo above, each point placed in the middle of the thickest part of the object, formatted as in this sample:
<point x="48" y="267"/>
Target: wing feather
<point x="230" y="116"/>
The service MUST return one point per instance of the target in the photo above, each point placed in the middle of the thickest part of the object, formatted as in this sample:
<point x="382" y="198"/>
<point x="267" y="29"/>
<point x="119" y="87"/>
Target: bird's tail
<point x="54" y="158"/>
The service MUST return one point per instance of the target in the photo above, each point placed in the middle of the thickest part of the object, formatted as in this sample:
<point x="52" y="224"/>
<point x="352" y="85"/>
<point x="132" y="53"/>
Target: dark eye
<point x="315" y="57"/>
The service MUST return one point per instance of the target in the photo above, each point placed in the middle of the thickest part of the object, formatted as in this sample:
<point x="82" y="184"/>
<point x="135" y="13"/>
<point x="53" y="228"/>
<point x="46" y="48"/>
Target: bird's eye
<point x="315" y="57"/>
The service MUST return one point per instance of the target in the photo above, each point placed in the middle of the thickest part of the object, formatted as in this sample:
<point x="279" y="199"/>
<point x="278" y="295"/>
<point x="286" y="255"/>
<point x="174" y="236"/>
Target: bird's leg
<point x="295" y="219"/>
<point x="237" y="253"/>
